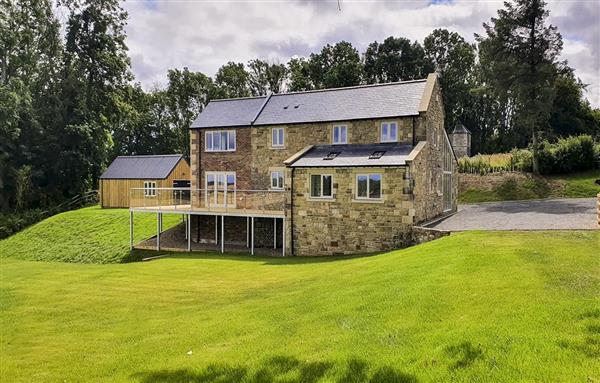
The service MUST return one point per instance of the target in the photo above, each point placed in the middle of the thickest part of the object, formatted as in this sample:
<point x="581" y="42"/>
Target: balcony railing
<point x="223" y="201"/>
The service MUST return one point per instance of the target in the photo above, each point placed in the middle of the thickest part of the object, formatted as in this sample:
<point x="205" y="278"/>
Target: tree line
<point x="69" y="103"/>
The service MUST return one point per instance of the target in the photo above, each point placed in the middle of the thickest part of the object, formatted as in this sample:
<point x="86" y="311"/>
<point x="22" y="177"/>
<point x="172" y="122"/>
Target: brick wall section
<point x="194" y="158"/>
<point x="345" y="226"/>
<point x="238" y="161"/>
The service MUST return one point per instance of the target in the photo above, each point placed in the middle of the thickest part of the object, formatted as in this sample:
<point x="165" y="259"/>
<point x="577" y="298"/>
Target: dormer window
<point x="389" y="132"/>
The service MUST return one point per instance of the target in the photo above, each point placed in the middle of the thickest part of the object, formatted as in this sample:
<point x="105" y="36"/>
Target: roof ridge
<point x="151" y="155"/>
<point x="236" y="98"/>
<point x="350" y="87"/>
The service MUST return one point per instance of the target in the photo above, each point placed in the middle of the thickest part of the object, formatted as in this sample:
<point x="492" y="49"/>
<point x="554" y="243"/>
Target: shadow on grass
<point x="278" y="369"/>
<point x="464" y="354"/>
<point x="138" y="255"/>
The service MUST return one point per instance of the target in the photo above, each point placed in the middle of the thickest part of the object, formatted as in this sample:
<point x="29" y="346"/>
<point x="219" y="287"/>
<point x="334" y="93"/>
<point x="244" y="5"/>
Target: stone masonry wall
<point x="427" y="168"/>
<point x="344" y="225"/>
<point x="297" y="136"/>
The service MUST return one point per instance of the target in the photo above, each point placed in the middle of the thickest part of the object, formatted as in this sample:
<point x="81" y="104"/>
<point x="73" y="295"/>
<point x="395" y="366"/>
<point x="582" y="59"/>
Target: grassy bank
<point x="525" y="309"/>
<point x="520" y="186"/>
<point x="89" y="235"/>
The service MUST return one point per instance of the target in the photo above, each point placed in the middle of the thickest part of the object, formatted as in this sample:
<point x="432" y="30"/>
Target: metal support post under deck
<point x="222" y="234"/>
<point x="274" y="233"/>
<point x="184" y="219"/>
<point x="283" y="237"/>
<point x="131" y="230"/>
<point x="216" y="229"/>
<point x="158" y="227"/>
<point x="252" y="238"/>
<point x="247" y="232"/>
<point x="189" y="232"/>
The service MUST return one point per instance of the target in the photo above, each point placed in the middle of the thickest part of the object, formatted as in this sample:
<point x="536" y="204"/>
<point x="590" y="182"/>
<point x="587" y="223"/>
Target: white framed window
<point x="277" y="137"/>
<point x="149" y="189"/>
<point x="368" y="186"/>
<point x="220" y="141"/>
<point x="321" y="186"/>
<point x="339" y="134"/>
<point x="277" y="179"/>
<point x="389" y="132"/>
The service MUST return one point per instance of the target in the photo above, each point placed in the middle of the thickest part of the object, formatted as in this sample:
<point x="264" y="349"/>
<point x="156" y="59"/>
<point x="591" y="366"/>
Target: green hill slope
<point x="471" y="307"/>
<point x="89" y="235"/>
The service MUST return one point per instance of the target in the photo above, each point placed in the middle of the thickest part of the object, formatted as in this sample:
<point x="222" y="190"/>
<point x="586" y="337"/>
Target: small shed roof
<point x="142" y="167"/>
<point x="352" y="155"/>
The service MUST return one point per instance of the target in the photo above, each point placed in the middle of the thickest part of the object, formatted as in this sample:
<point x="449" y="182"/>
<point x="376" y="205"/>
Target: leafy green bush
<point x="516" y="160"/>
<point x="11" y="223"/>
<point x="568" y="155"/>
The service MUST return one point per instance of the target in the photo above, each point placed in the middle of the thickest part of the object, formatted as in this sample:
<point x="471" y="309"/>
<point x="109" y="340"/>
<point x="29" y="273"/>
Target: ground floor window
<point x="368" y="186"/>
<point x="149" y="188"/>
<point x="321" y="186"/>
<point x="277" y="180"/>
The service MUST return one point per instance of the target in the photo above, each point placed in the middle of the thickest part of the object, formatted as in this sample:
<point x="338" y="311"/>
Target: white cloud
<point x="203" y="35"/>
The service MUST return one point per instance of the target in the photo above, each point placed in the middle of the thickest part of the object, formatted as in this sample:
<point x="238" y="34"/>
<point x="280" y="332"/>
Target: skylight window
<point x="331" y="155"/>
<point x="377" y="154"/>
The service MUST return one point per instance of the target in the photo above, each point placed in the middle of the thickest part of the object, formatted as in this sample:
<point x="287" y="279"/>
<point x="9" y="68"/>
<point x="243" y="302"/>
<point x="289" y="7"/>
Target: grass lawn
<point x="507" y="187"/>
<point x="472" y="307"/>
<point x="89" y="235"/>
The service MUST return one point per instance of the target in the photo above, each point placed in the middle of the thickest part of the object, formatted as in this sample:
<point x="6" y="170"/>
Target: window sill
<point x="339" y="143"/>
<point x="368" y="200"/>
<point x="320" y="199"/>
<point x="219" y="151"/>
<point x="277" y="147"/>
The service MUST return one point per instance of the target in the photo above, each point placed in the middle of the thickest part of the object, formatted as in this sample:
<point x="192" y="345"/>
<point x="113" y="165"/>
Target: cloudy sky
<point x="203" y="34"/>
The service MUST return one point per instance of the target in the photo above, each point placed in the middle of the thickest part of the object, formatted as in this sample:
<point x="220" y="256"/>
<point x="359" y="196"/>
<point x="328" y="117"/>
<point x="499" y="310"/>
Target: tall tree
<point x="520" y="53"/>
<point x="30" y="59"/>
<point x="96" y="72"/>
<point x="571" y="113"/>
<point x="454" y="61"/>
<point x="231" y="81"/>
<point x="264" y="77"/>
<point x="187" y="94"/>
<point x="336" y="65"/>
<point x="395" y="59"/>
<point x="299" y="72"/>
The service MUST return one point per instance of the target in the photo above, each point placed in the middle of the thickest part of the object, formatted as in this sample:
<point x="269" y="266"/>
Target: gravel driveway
<point x="570" y="213"/>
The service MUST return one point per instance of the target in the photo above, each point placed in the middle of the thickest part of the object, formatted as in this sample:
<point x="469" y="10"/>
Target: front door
<point x="220" y="189"/>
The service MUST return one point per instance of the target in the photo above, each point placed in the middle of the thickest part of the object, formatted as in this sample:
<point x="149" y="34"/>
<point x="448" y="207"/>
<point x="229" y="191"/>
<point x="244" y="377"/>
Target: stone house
<point x="336" y="171"/>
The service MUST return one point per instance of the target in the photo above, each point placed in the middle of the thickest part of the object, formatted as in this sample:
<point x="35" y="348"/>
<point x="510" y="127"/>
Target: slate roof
<point x="460" y="128"/>
<point x="340" y="104"/>
<point x="227" y="113"/>
<point x="352" y="155"/>
<point x="142" y="167"/>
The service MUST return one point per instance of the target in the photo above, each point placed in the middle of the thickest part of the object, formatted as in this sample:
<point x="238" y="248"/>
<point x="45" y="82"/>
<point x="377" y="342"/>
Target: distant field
<point x="520" y="186"/>
<point x="89" y="235"/>
<point x="471" y="307"/>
